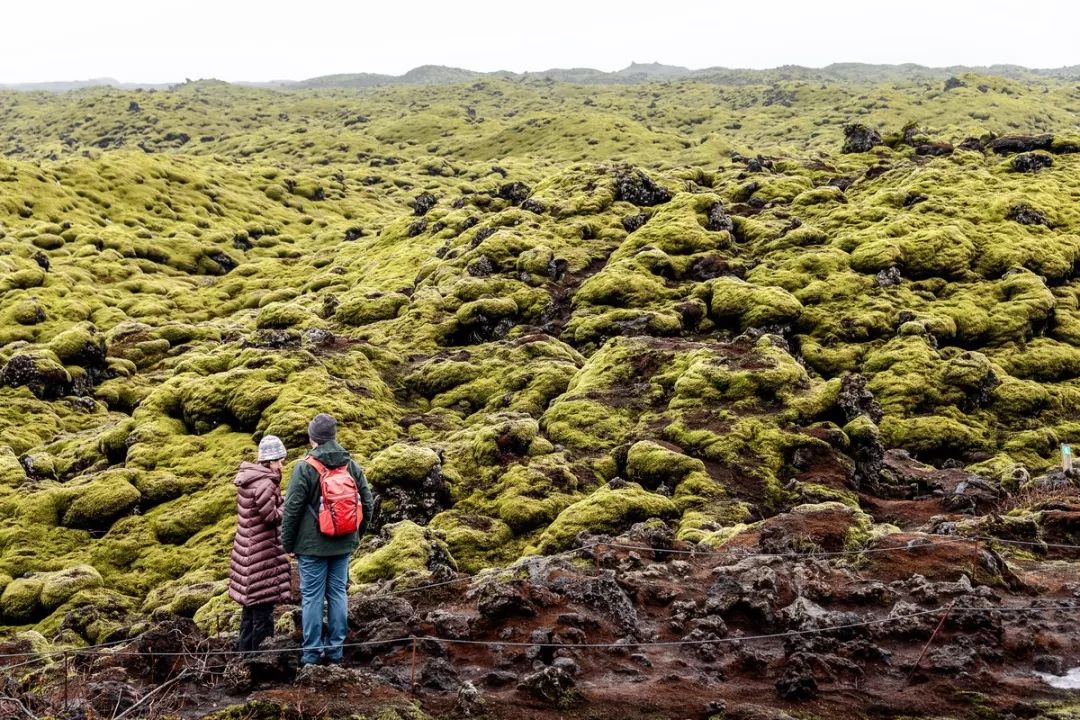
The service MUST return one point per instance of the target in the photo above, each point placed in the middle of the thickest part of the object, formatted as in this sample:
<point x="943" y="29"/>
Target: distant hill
<point x="633" y="73"/>
<point x="66" y="86"/>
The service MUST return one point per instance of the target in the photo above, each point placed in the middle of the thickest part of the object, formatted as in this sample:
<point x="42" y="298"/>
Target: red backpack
<point x="340" y="512"/>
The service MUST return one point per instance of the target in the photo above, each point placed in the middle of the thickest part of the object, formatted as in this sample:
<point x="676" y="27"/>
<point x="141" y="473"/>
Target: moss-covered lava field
<point x="537" y="310"/>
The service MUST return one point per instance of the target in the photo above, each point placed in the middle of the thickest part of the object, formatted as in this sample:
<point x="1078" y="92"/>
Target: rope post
<point x="596" y="555"/>
<point x="927" y="646"/>
<point x="974" y="558"/>
<point x="66" y="669"/>
<point x="412" y="669"/>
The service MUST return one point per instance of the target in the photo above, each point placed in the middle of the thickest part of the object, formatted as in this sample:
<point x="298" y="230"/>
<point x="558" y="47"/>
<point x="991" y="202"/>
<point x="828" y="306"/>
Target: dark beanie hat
<point x="322" y="429"/>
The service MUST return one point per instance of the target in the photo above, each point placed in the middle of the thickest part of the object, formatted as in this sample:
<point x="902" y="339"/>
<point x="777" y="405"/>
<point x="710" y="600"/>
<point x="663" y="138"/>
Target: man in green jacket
<point x="323" y="560"/>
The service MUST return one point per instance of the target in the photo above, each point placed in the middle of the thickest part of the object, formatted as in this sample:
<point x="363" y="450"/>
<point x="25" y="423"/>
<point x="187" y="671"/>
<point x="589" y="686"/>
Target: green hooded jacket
<point x="299" y="531"/>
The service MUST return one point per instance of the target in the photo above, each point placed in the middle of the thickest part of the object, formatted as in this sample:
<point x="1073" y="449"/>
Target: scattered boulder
<point x="637" y="188"/>
<point x="470" y="703"/>
<point x="632" y="223"/>
<point x="552" y="684"/>
<point x="101" y="502"/>
<point x="1009" y="144"/>
<point x="1031" y="162"/>
<point x="859" y="138"/>
<point x="604" y="595"/>
<point x="934" y="149"/>
<point x="417" y="228"/>
<point x="411" y="482"/>
<point x="401" y="548"/>
<point x="515" y="192"/>
<point x="717" y="219"/>
<point x="438" y="674"/>
<point x="62" y="585"/>
<point x="960" y="491"/>
<point x="855" y="399"/>
<point x="534" y="206"/>
<point x="797" y="682"/>
<point x="889" y="277"/>
<point x="952" y="83"/>
<point x="1050" y="664"/>
<point x="1027" y="215"/>
<point x="45" y="377"/>
<point x="499" y="601"/>
<point x="423" y="203"/>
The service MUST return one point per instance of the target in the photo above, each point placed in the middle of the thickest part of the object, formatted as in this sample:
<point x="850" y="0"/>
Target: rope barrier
<point x="95" y="649"/>
<point x="607" y="645"/>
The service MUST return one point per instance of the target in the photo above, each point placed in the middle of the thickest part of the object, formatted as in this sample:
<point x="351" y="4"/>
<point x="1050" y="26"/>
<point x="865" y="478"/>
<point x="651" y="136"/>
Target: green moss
<point x="61" y="586"/>
<point x="474" y="541"/>
<point x="372" y="307"/>
<point x="101" y="501"/>
<point x="21" y="600"/>
<point x="409" y="548"/>
<point x="531" y="496"/>
<point x="733" y="301"/>
<point x="401" y="464"/>
<point x="96" y="615"/>
<point x="651" y="464"/>
<point x="177" y="521"/>
<point x="177" y="322"/>
<point x="932" y="434"/>
<point x="604" y="511"/>
<point x="282" y="315"/>
<point x="585" y="424"/>
<point x="944" y="251"/>
<point x="767" y="372"/>
<point x="12" y="473"/>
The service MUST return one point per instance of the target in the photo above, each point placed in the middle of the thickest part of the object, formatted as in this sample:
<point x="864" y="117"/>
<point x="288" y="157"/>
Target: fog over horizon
<point x="262" y="42"/>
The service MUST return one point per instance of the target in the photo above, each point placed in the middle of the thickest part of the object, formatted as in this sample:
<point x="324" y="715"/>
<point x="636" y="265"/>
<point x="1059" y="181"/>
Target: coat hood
<point x="331" y="454"/>
<point x="253" y="472"/>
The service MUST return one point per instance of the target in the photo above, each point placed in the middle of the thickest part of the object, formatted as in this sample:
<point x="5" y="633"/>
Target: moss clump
<point x="606" y="510"/>
<point x="12" y="473"/>
<point x="402" y="464"/>
<point x="766" y="372"/>
<point x="101" y="501"/>
<point x="278" y="315"/>
<point x="218" y="614"/>
<point x="21" y="600"/>
<point x="370" y="308"/>
<point x="932" y="434"/>
<point x="475" y="541"/>
<point x="61" y="586"/>
<point x="651" y="464"/>
<point x="744" y="305"/>
<point x="403" y="547"/>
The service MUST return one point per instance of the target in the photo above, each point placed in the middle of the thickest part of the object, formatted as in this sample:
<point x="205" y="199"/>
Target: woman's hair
<point x="265" y="463"/>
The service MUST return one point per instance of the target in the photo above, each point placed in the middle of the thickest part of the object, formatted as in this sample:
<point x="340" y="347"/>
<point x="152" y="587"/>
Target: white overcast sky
<point x="152" y="41"/>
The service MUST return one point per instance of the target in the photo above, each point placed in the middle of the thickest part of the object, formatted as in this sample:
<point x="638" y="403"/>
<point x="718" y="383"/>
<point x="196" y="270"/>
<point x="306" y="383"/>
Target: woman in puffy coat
<point x="259" y="571"/>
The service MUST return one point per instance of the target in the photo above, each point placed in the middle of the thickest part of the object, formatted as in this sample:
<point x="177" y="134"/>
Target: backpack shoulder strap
<point x="319" y="467"/>
<point x="317" y="495"/>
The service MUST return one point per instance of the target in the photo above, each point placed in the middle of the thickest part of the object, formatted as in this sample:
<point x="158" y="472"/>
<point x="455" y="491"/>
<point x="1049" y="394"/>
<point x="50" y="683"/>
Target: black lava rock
<point x="423" y="203"/>
<point x="859" y="138"/>
<point x="1031" y="162"/>
<point x="635" y="187"/>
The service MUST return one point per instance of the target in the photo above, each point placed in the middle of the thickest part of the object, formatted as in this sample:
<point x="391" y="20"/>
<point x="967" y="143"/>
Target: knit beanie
<point x="322" y="429"/>
<point x="271" y="448"/>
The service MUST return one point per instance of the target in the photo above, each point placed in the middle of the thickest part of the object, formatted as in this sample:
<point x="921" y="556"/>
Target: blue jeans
<point x="322" y="582"/>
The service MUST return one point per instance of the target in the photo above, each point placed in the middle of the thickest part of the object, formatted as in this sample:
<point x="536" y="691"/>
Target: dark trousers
<point x="256" y="624"/>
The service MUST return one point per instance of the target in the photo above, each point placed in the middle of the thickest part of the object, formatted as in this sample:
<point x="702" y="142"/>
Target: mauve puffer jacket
<point x="259" y="569"/>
